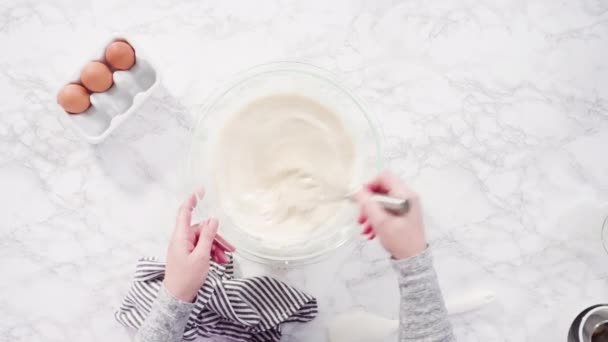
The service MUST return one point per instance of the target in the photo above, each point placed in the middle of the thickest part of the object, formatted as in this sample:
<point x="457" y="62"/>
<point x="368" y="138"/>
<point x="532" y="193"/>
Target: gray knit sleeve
<point x="167" y="319"/>
<point x="422" y="315"/>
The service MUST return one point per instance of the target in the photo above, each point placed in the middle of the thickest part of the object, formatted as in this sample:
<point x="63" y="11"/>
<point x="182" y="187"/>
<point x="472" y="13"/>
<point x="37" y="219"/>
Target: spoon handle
<point x="395" y="205"/>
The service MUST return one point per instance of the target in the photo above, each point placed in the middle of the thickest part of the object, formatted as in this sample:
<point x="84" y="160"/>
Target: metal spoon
<point x="395" y="205"/>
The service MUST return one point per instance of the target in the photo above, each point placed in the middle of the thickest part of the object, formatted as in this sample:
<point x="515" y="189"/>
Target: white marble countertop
<point x="495" y="111"/>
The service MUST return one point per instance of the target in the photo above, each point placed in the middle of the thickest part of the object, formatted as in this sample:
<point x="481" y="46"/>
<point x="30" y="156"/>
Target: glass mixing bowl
<point x="281" y="78"/>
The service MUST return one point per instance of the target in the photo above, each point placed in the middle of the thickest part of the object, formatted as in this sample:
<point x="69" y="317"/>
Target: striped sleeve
<point x="167" y="319"/>
<point x="422" y="315"/>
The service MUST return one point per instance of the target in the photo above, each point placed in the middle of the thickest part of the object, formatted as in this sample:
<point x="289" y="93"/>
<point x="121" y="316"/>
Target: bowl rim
<point x="294" y="66"/>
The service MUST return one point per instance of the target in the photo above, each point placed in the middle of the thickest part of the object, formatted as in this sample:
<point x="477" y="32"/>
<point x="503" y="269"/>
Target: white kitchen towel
<point x="249" y="309"/>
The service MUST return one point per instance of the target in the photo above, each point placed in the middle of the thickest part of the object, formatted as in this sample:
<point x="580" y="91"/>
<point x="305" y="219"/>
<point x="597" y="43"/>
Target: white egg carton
<point x="111" y="108"/>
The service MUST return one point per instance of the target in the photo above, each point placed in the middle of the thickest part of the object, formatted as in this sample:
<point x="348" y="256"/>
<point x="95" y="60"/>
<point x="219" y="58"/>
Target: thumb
<point x="205" y="239"/>
<point x="184" y="217"/>
<point x="372" y="209"/>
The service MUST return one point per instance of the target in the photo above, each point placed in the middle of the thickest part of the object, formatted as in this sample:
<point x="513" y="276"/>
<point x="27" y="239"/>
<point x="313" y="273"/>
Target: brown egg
<point x="96" y="76"/>
<point x="73" y="98"/>
<point x="120" y="55"/>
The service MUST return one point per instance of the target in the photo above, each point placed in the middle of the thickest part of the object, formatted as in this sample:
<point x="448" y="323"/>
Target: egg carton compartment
<point x="110" y="108"/>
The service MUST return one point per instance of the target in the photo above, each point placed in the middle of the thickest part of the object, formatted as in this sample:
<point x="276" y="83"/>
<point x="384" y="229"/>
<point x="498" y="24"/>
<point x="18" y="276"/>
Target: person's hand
<point x="401" y="235"/>
<point x="190" y="251"/>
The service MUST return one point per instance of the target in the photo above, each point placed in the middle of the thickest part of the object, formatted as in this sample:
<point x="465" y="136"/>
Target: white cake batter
<point x="279" y="161"/>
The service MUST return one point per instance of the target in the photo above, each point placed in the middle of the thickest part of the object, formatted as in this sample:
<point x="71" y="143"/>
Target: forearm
<point x="423" y="316"/>
<point x="166" y="321"/>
